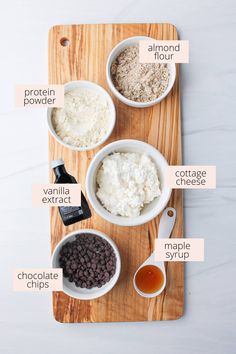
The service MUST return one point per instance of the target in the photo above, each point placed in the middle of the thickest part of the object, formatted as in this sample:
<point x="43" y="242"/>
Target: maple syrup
<point x="149" y="279"/>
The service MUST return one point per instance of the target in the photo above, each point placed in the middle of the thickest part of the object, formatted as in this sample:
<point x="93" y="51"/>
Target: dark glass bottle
<point x="70" y="214"/>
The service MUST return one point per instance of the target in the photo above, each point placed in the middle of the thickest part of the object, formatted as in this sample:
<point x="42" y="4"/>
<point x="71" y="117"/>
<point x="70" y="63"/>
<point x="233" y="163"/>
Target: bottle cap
<point x="55" y="163"/>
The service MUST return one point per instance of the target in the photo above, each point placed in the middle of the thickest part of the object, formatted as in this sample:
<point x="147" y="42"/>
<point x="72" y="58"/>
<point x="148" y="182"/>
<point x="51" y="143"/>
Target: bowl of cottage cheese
<point x="126" y="182"/>
<point x="87" y="118"/>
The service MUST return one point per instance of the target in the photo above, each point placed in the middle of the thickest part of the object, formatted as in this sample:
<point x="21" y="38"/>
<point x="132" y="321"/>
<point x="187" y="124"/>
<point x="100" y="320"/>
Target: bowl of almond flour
<point x="87" y="118"/>
<point x="137" y="84"/>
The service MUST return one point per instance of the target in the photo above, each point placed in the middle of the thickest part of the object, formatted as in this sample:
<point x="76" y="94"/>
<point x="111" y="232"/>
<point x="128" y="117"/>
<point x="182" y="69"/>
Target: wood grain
<point x="85" y="58"/>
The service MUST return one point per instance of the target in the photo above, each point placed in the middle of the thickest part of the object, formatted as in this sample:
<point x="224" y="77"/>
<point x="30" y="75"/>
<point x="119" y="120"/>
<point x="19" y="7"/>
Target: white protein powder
<point x="84" y="119"/>
<point x="127" y="181"/>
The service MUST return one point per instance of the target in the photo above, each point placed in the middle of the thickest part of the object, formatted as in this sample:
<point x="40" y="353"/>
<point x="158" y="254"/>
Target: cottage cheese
<point x="84" y="119"/>
<point x="126" y="182"/>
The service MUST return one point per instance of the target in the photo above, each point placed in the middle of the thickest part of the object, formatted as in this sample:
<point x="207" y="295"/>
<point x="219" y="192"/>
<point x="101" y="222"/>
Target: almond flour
<point x="136" y="81"/>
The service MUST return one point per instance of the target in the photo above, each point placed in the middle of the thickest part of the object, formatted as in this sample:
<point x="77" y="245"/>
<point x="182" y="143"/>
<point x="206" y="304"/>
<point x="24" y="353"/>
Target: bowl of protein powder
<point x="126" y="182"/>
<point x="87" y="118"/>
<point x="137" y="84"/>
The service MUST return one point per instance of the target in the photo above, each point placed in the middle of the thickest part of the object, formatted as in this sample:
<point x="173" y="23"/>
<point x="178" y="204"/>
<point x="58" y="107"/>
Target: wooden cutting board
<point x="84" y="57"/>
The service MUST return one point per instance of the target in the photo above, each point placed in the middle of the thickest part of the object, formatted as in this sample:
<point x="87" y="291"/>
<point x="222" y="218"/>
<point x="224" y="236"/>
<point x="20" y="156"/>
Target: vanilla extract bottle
<point x="70" y="214"/>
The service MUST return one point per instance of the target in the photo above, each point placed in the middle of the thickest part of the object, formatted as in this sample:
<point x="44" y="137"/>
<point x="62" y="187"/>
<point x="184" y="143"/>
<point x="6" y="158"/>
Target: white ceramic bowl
<point x="98" y="89"/>
<point x="70" y="288"/>
<point x="150" y="210"/>
<point x="114" y="54"/>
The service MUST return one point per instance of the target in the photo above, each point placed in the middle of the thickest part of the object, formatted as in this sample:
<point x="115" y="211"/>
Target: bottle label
<point x="66" y="194"/>
<point x="71" y="210"/>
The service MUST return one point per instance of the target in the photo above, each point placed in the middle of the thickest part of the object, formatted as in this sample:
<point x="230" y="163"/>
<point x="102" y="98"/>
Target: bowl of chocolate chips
<point x="90" y="261"/>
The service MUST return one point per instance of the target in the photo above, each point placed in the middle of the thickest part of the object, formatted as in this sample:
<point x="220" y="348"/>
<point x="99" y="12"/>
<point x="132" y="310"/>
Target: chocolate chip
<point x="89" y="261"/>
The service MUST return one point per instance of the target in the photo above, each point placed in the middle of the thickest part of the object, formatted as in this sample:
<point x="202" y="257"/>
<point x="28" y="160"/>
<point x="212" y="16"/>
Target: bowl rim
<point x="99" y="208"/>
<point x="112" y="118"/>
<point x="106" y="287"/>
<point x="125" y="99"/>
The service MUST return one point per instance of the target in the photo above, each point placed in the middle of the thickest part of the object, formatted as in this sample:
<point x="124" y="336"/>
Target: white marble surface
<point x="209" y="134"/>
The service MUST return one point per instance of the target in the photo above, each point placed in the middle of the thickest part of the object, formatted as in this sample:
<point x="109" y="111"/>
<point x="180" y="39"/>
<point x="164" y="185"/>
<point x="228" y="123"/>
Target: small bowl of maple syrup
<point x="150" y="280"/>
